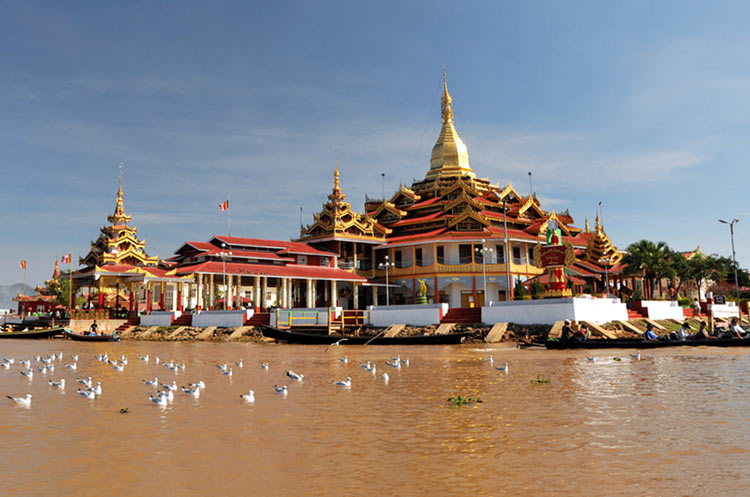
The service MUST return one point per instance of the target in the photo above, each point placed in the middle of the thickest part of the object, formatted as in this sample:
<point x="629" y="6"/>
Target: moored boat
<point x="44" y="333"/>
<point x="300" y="337"/>
<point x="637" y="343"/>
<point x="91" y="338"/>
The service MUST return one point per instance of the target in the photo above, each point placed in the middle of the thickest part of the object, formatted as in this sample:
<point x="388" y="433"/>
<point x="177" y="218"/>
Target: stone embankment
<point x="514" y="332"/>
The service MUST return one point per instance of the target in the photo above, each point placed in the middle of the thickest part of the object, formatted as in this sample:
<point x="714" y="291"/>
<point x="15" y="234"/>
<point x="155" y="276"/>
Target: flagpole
<point x="229" y="217"/>
<point x="70" y="289"/>
<point x="24" y="276"/>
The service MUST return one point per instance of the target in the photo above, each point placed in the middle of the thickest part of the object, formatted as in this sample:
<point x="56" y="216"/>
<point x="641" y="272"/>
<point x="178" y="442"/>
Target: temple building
<point x="118" y="273"/>
<point x="458" y="233"/>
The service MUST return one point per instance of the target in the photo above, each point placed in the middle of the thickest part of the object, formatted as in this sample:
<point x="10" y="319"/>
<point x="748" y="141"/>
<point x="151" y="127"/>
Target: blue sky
<point x="641" y="105"/>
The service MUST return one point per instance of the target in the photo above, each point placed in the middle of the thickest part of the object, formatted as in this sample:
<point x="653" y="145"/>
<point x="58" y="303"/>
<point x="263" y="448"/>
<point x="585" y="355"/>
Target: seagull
<point x="73" y="366"/>
<point x="346" y="383"/>
<point x="97" y="389"/>
<point x="264" y="365"/>
<point x="282" y="390"/>
<point x="119" y="368"/>
<point x="592" y="358"/>
<point x="58" y="384"/>
<point x="336" y="344"/>
<point x="396" y="359"/>
<point x="405" y="362"/>
<point x="249" y="397"/>
<point x="159" y="400"/>
<point x="366" y="365"/>
<point x="395" y="364"/>
<point x="74" y="357"/>
<point x="9" y="360"/>
<point x="171" y="387"/>
<point x="240" y="363"/>
<point x="24" y="401"/>
<point x="28" y="373"/>
<point x="199" y="384"/>
<point x="59" y="356"/>
<point x="637" y="356"/>
<point x="503" y="368"/>
<point x="51" y="368"/>
<point x="373" y="369"/>
<point x="227" y="372"/>
<point x="25" y="362"/>
<point x="223" y="367"/>
<point x="37" y="358"/>
<point x="42" y="369"/>
<point x="295" y="376"/>
<point x="123" y="359"/>
<point x="89" y="394"/>
<point x="151" y="382"/>
<point x="4" y="365"/>
<point x="194" y="391"/>
<point x="181" y="366"/>
<point x="385" y="377"/>
<point x="144" y="358"/>
<point x="168" y="394"/>
<point x="156" y="361"/>
<point x="85" y="381"/>
<point x="344" y="360"/>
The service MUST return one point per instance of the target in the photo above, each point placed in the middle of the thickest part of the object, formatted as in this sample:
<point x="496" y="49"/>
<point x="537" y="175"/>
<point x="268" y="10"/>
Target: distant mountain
<point x="8" y="292"/>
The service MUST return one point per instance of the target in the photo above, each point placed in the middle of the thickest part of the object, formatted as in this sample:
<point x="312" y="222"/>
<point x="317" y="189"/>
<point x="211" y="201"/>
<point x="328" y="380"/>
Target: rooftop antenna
<point x="382" y="176"/>
<point x="531" y="188"/>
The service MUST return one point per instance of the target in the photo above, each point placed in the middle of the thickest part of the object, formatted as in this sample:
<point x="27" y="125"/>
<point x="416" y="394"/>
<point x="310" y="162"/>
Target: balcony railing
<point x="471" y="267"/>
<point x="346" y="265"/>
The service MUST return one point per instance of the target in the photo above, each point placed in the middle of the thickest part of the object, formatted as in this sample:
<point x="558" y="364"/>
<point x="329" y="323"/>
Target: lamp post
<point x="484" y="251"/>
<point x="606" y="272"/>
<point x="386" y="265"/>
<point x="223" y="254"/>
<point x="506" y="255"/>
<point x="734" y="260"/>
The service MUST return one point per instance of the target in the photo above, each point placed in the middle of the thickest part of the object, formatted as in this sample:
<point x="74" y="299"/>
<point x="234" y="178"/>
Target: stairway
<point x="465" y="315"/>
<point x="186" y="319"/>
<point x="127" y="324"/>
<point x="259" y="318"/>
<point x="634" y="315"/>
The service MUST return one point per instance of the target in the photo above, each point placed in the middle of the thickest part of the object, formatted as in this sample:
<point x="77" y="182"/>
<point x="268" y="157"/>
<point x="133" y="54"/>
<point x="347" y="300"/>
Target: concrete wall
<point x="550" y="310"/>
<point x="159" y="318"/>
<point x="663" y="309"/>
<point x="314" y="316"/>
<point x="223" y="319"/>
<point x="728" y="310"/>
<point x="106" y="326"/>
<point x="416" y="315"/>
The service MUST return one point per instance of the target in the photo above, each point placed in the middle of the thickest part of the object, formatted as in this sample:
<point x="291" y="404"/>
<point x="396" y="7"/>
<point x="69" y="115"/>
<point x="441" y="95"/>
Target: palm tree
<point x="649" y="260"/>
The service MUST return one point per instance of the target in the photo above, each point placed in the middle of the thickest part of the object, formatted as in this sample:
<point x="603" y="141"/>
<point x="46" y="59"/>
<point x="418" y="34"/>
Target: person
<point x="649" y="334"/>
<point x="736" y="329"/>
<point x="582" y="334"/>
<point x="696" y="308"/>
<point x="567" y="331"/>
<point x="684" y="332"/>
<point x="702" y="333"/>
<point x="94" y="328"/>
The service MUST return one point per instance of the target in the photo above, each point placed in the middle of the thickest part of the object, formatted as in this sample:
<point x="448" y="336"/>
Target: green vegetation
<point x="539" y="379"/>
<point x="464" y="401"/>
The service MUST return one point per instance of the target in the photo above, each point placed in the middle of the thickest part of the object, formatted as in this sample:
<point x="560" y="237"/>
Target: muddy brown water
<point x="673" y="423"/>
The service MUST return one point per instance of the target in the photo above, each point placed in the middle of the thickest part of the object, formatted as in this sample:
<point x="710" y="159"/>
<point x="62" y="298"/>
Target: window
<point x="418" y="256"/>
<point x="325" y="261"/>
<point x="517" y="259"/>
<point x="301" y="259"/>
<point x="500" y="251"/>
<point x="440" y="254"/>
<point x="531" y="255"/>
<point x="398" y="258"/>
<point x="464" y="254"/>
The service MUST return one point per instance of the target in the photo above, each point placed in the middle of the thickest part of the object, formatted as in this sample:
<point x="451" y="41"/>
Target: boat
<point x="637" y="343"/>
<point x="303" y="337"/>
<point x="91" y="338"/>
<point x="44" y="333"/>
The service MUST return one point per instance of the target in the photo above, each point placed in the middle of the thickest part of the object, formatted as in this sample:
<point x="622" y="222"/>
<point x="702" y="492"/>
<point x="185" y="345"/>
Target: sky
<point x="643" y="106"/>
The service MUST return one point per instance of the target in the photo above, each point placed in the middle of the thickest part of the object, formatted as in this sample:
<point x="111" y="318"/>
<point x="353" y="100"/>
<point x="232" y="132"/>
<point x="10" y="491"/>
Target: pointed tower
<point x="450" y="157"/>
<point x="600" y="248"/>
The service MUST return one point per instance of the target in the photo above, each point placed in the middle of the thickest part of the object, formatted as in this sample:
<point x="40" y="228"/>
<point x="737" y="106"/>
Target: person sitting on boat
<point x="702" y="333"/>
<point x="649" y="334"/>
<point x="683" y="333"/>
<point x="567" y="332"/>
<point x="736" y="329"/>
<point x="582" y="334"/>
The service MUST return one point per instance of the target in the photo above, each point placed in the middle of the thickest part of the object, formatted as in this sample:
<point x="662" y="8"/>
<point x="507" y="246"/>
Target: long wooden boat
<point x="45" y="333"/>
<point x="637" y="343"/>
<point x="319" y="338"/>
<point x="91" y="338"/>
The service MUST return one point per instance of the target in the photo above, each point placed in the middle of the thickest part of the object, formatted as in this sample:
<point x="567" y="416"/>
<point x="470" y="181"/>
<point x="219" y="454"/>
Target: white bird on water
<point x="159" y="400"/>
<point x="223" y="367"/>
<point x="74" y="357"/>
<point x="346" y="383"/>
<point x="199" y="384"/>
<point x="26" y="363"/>
<point x="394" y="364"/>
<point x="97" y="389"/>
<point x="85" y="381"/>
<point x="366" y="365"/>
<point x="592" y="358"/>
<point x="637" y="356"/>
<point x="151" y="382"/>
<point x="385" y="377"/>
<point x="58" y="384"/>
<point x="144" y="358"/>
<point x="295" y="376"/>
<point x="282" y="390"/>
<point x="24" y="401"/>
<point x="503" y="368"/>
<point x="156" y="361"/>
<point x="119" y="367"/>
<point x="123" y="359"/>
<point x="194" y="391"/>
<point x="4" y="365"/>
<point x="73" y="366"/>
<point x="42" y="369"/>
<point x="227" y="372"/>
<point x="240" y="363"/>
<point x="28" y="373"/>
<point x="9" y="360"/>
<point x="172" y="387"/>
<point x="405" y="362"/>
<point x="344" y="360"/>
<point x="249" y="397"/>
<point x="264" y="365"/>
<point x="89" y="394"/>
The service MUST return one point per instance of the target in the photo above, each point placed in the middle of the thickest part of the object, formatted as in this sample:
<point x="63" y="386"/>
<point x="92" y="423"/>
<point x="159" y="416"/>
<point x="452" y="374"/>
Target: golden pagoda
<point x="600" y="249"/>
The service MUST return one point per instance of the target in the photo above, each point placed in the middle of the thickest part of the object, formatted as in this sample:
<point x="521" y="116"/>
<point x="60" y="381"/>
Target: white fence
<point x="415" y="315"/>
<point x="548" y="311"/>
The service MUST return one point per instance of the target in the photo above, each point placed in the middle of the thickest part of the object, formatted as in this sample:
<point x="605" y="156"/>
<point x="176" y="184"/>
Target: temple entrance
<point x="467" y="298"/>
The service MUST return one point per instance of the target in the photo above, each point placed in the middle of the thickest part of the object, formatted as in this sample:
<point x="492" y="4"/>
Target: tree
<point x="700" y="269"/>
<point x="651" y="261"/>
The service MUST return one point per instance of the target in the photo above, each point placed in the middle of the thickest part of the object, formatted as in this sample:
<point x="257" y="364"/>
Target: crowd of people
<point x="685" y="332"/>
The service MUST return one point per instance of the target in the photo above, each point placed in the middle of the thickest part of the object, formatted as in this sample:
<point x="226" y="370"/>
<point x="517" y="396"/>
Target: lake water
<point x="673" y="423"/>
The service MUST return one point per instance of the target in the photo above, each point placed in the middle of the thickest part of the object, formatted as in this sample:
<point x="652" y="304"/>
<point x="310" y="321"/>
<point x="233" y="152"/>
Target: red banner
<point x="553" y="255"/>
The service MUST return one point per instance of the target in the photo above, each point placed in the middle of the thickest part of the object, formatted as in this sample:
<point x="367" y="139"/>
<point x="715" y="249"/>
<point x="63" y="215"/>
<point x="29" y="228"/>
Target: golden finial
<point x="446" y="102"/>
<point x="336" y="177"/>
<point x="598" y="225"/>
<point x="588" y="228"/>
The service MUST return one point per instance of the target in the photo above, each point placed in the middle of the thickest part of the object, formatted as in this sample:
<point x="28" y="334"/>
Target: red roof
<point x="283" y="246"/>
<point x="249" y="254"/>
<point x="424" y="203"/>
<point x="413" y="220"/>
<point x="290" y="271"/>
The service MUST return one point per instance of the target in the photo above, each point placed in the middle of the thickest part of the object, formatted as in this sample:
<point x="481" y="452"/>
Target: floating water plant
<point x="539" y="379"/>
<point x="464" y="401"/>
<point x="124" y="410"/>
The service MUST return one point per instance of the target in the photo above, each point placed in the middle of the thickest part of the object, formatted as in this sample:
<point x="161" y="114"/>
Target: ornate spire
<point x="588" y="228"/>
<point x="119" y="217"/>
<point x="336" y="195"/>
<point x="450" y="157"/>
<point x="598" y="225"/>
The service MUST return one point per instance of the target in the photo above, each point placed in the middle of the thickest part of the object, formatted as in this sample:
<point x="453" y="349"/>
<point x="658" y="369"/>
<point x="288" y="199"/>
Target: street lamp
<point x="506" y="254"/>
<point x="224" y="255"/>
<point x="734" y="260"/>
<point x="386" y="265"/>
<point x="484" y="251"/>
<point x="606" y="272"/>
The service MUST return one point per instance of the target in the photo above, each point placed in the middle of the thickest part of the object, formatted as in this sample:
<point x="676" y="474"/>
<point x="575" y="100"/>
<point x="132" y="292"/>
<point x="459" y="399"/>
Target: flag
<point x="65" y="259"/>
<point x="224" y="205"/>
<point x="23" y="264"/>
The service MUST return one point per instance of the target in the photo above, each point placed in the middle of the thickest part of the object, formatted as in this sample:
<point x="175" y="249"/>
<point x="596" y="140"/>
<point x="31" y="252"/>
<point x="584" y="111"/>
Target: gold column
<point x="334" y="295"/>
<point x="309" y="293"/>
<point x="355" y="295"/>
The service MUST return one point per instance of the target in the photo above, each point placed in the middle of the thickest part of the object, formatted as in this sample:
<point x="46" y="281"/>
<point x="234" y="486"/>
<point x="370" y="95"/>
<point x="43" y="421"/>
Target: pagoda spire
<point x="446" y="102"/>
<point x="119" y="217"/>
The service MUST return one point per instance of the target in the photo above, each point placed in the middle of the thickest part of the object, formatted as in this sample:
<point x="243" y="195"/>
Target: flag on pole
<point x="224" y="205"/>
<point x="23" y="264"/>
<point x="65" y="259"/>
